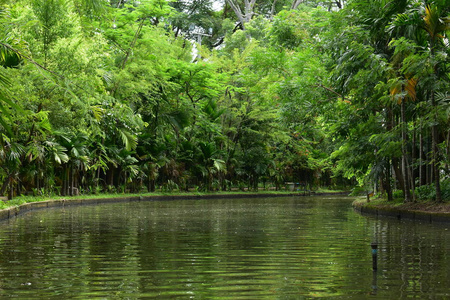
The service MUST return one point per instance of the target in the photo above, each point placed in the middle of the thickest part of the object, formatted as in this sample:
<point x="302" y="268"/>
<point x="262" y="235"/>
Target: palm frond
<point x="92" y="7"/>
<point x="129" y="140"/>
<point x="59" y="154"/>
<point x="434" y="24"/>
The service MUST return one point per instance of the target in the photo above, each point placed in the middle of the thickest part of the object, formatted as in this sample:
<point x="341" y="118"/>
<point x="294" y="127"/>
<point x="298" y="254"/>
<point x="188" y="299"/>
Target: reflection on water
<point x="269" y="248"/>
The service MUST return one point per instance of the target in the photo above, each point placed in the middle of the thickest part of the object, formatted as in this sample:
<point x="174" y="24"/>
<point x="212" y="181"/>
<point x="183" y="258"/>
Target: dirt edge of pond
<point x="423" y="212"/>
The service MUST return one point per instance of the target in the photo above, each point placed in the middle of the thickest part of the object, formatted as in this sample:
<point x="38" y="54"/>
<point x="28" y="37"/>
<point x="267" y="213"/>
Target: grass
<point x="384" y="202"/>
<point x="325" y="190"/>
<point x="398" y="203"/>
<point x="27" y="199"/>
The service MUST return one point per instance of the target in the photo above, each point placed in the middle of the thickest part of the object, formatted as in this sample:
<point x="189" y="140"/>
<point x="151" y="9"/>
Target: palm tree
<point x="427" y="27"/>
<point x="209" y="162"/>
<point x="436" y="25"/>
<point x="10" y="162"/>
<point x="402" y="91"/>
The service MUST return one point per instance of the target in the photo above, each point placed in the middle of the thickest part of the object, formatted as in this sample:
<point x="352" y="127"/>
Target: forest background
<point x="131" y="96"/>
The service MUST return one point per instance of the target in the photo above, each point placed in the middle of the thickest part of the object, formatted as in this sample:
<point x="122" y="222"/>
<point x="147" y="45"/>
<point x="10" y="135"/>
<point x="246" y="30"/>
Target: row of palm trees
<point x="70" y="163"/>
<point x="406" y="49"/>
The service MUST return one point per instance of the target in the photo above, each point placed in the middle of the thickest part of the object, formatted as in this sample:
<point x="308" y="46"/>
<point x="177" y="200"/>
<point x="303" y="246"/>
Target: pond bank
<point x="423" y="212"/>
<point x="14" y="211"/>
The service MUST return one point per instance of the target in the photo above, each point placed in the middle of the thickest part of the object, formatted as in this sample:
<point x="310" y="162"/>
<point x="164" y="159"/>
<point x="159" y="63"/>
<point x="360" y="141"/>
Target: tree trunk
<point x="18" y="189"/>
<point x="272" y="10"/>
<point x="447" y="167"/>
<point x="110" y="176"/>
<point x="296" y="3"/>
<point x="411" y="169"/>
<point x="421" y="164"/>
<point x="387" y="185"/>
<point x="70" y="180"/>
<point x="389" y="164"/>
<point x="434" y="129"/>
<point x="66" y="192"/>
<point x="406" y="181"/>
<point x="434" y="146"/>
<point x="97" y="181"/>
<point x="64" y="182"/>
<point x="11" y="188"/>
<point x="244" y="16"/>
<point x="429" y="174"/>
<point x="4" y="186"/>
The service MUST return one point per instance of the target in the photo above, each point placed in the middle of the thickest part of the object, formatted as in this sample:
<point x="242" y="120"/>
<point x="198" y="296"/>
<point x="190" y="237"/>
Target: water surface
<point x="269" y="248"/>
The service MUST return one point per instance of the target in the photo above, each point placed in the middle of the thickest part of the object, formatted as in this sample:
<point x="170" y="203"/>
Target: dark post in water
<point x="374" y="246"/>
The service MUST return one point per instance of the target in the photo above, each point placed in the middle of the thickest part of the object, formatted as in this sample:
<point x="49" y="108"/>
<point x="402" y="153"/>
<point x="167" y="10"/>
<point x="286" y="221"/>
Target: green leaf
<point x="128" y="139"/>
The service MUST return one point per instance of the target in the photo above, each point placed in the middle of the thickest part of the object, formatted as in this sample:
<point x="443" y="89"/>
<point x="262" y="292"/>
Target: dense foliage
<point x="142" y="95"/>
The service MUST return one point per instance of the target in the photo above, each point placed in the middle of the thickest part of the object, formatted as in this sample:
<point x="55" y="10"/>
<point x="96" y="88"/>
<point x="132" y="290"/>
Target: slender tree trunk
<point x="421" y="169"/>
<point x="18" y="188"/>
<point x="429" y="174"/>
<point x="4" y="186"/>
<point x="434" y="129"/>
<point x="412" y="169"/>
<point x="406" y="181"/>
<point x="245" y="15"/>
<point x="388" y="172"/>
<point x="70" y="180"/>
<point x="434" y="146"/>
<point x="97" y="180"/>
<point x="63" y="187"/>
<point x="66" y="192"/>
<point x="37" y="178"/>
<point x="388" y="182"/>
<point x="272" y="10"/>
<point x="11" y="188"/>
<point x="396" y="165"/>
<point x="110" y="176"/>
<point x="125" y="175"/>
<point x="447" y="167"/>
<point x="296" y="3"/>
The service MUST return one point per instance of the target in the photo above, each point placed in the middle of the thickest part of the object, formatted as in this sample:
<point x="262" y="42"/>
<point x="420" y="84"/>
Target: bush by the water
<point x="428" y="192"/>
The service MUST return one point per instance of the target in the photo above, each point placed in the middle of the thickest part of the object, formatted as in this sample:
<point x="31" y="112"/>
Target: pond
<point x="266" y="248"/>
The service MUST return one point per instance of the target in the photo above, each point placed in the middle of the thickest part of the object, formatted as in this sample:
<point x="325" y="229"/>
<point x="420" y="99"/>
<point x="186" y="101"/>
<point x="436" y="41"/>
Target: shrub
<point x="425" y="192"/>
<point x="428" y="192"/>
<point x="445" y="190"/>
<point x="398" y="194"/>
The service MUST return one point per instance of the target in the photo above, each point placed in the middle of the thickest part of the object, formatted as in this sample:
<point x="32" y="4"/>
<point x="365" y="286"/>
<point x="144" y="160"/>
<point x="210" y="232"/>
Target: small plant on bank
<point x="398" y="195"/>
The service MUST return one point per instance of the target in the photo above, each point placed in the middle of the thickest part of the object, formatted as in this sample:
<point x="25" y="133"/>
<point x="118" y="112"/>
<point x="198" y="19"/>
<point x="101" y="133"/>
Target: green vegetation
<point x="17" y="201"/>
<point x="143" y="96"/>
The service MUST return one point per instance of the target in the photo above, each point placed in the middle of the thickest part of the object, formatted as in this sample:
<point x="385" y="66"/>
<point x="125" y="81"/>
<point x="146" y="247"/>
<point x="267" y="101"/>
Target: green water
<point x="270" y="248"/>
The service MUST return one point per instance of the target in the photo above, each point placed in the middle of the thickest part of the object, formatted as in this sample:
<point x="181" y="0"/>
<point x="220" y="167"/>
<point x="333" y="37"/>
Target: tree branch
<point x="31" y="60"/>
<point x="330" y="90"/>
<point x="296" y="3"/>
<point x="237" y="10"/>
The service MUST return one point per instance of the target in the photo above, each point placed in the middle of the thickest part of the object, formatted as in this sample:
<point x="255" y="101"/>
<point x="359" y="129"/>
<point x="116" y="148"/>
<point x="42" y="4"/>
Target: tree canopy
<point x="131" y="96"/>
